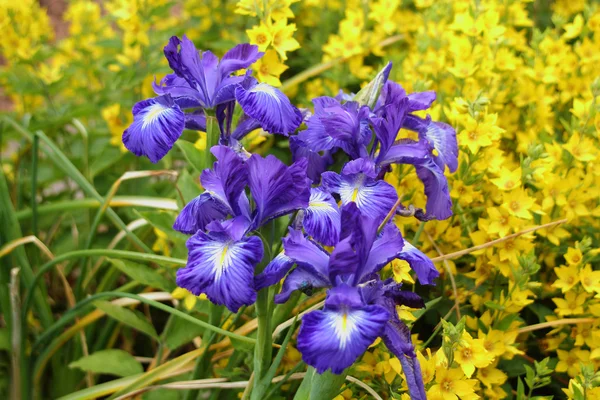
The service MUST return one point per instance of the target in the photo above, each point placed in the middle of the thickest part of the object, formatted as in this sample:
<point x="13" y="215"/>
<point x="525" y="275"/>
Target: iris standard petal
<point x="421" y="100"/>
<point x="440" y="135"/>
<point x="239" y="57"/>
<point x="439" y="204"/>
<point x="317" y="163"/>
<point x="385" y="248"/>
<point x="228" y="178"/>
<point x="322" y="218"/>
<point x="222" y="268"/>
<point x="198" y="213"/>
<point x="276" y="188"/>
<point x="420" y="263"/>
<point x="157" y="124"/>
<point x="269" y="106"/>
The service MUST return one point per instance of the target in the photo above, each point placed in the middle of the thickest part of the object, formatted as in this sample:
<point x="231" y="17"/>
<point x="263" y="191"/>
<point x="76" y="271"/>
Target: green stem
<point x="213" y="135"/>
<point x="418" y="233"/>
<point x="263" y="349"/>
<point x="34" y="161"/>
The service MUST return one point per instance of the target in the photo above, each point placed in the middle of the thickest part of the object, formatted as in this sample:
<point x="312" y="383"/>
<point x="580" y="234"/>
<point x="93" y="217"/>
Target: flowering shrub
<point x="298" y="223"/>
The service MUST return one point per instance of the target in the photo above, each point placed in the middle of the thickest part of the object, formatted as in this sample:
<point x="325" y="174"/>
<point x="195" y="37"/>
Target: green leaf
<point x="520" y="390"/>
<point x="4" y="339"/>
<point x="192" y="154"/>
<point x="505" y="323"/>
<point x="242" y="346"/>
<point x="180" y="332"/>
<point x="112" y="362"/>
<point x="188" y="186"/>
<point x="163" y="221"/>
<point x="143" y="274"/>
<point x="494" y="305"/>
<point x="127" y="317"/>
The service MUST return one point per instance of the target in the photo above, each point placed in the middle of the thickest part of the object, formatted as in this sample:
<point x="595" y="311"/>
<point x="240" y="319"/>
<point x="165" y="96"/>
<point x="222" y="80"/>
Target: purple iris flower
<point x="359" y="307"/>
<point x="222" y="255"/>
<point x="201" y="82"/>
<point x="350" y="127"/>
<point x="358" y="183"/>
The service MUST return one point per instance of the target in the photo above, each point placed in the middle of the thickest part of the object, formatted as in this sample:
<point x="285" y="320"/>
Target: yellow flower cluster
<point x="273" y="35"/>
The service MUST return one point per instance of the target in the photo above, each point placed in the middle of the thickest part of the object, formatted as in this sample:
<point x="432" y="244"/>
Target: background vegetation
<point x="88" y="256"/>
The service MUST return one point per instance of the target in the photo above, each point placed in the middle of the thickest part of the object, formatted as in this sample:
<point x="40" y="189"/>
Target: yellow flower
<point x="283" y="41"/>
<point x="573" y="256"/>
<point x="189" y="300"/>
<point x="572" y="304"/>
<point x="472" y="354"/>
<point x="493" y="341"/>
<point x="491" y="375"/>
<point x="260" y="36"/>
<point x="116" y="124"/>
<point x="590" y="280"/>
<point x="570" y="361"/>
<point x="451" y="384"/>
<point x="269" y="68"/>
<point x="518" y="203"/>
<point x="568" y="277"/>
<point x="401" y="270"/>
<point x="508" y="179"/>
<point x="473" y="136"/>
<point x="573" y="29"/>
<point x="582" y="148"/>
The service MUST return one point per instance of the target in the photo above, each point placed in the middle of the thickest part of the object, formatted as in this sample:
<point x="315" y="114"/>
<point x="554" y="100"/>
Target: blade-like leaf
<point x="111" y="361"/>
<point x="127" y="317"/>
<point x="143" y="274"/>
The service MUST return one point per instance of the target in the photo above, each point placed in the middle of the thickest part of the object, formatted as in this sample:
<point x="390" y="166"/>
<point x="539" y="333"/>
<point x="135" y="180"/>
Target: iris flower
<point x="359" y="306"/>
<point x="222" y="254"/>
<point x="349" y="127"/>
<point x="200" y="82"/>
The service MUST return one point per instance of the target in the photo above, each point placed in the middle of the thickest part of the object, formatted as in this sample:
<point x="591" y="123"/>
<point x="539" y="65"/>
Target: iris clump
<point x="338" y="207"/>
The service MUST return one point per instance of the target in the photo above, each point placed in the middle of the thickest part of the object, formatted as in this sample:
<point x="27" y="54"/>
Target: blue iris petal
<point x="276" y="188"/>
<point x="322" y="218"/>
<point x="420" y="263"/>
<point x="274" y="271"/>
<point x="336" y="336"/>
<point x="157" y="124"/>
<point x="269" y="106"/>
<point x="222" y="267"/>
<point x="198" y="213"/>
<point x="228" y="178"/>
<point x="439" y="204"/>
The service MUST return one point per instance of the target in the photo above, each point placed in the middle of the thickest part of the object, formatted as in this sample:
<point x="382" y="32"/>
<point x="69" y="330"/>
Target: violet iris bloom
<point x="348" y="127"/>
<point x="222" y="255"/>
<point x="359" y="307"/>
<point x="199" y="82"/>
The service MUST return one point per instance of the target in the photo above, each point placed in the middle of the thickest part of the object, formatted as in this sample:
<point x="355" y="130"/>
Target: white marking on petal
<point x="264" y="88"/>
<point x="154" y="112"/>
<point x="345" y="324"/>
<point x="219" y="256"/>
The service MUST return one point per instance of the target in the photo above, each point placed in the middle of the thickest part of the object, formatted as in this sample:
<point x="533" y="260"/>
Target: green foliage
<point x="112" y="362"/>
